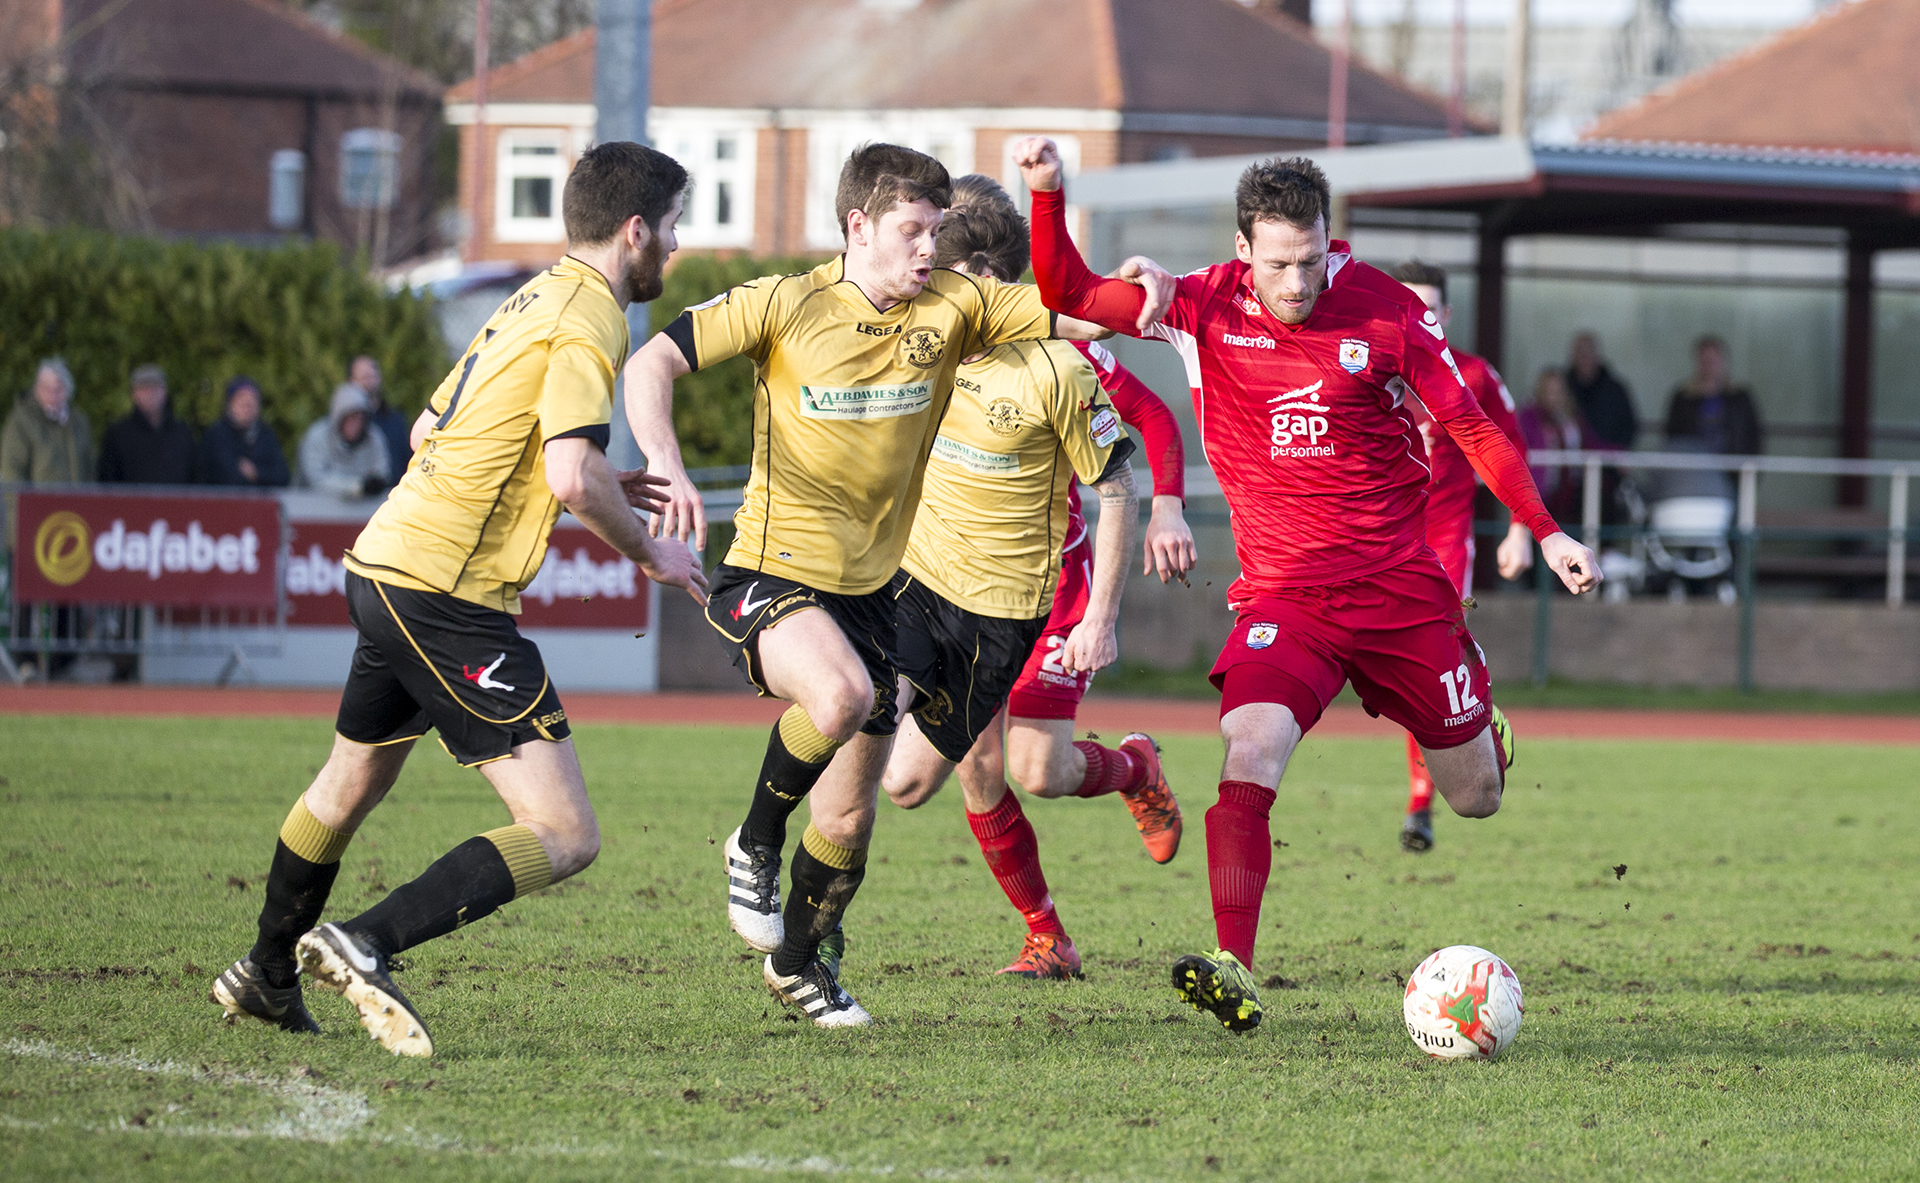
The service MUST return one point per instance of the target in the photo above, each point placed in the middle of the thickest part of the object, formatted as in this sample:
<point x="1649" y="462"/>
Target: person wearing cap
<point x="340" y="454"/>
<point x="149" y="446"/>
<point x="239" y="448"/>
<point x="47" y="438"/>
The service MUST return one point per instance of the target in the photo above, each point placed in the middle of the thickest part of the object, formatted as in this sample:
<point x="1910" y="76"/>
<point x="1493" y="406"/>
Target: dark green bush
<point x="713" y="408"/>
<point x="291" y="317"/>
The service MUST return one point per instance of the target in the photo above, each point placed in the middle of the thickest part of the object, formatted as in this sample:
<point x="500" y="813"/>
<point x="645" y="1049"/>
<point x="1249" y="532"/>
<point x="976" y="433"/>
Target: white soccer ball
<point x="1463" y="1003"/>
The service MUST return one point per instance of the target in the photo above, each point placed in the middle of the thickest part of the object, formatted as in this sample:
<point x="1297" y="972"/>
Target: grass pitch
<point x="1740" y="1003"/>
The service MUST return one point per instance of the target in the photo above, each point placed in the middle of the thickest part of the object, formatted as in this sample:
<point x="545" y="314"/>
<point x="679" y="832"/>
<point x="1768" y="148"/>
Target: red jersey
<point x="1450" y="494"/>
<point x="1141" y="409"/>
<point x="1305" y="425"/>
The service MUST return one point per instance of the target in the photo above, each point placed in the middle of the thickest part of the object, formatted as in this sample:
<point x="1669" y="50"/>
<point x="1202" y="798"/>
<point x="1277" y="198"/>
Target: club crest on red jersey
<point x="1251" y="305"/>
<point x="1353" y="355"/>
<point x="1259" y="636"/>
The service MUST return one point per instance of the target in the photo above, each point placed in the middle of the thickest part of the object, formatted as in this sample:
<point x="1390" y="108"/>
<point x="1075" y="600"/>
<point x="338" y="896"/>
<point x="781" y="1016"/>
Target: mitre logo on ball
<point x="1353" y="355"/>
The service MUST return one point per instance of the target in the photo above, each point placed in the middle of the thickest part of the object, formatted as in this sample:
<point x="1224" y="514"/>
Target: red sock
<point x="1239" y="857"/>
<point x="1421" y="795"/>
<point x="1013" y="855"/>
<point x="1109" y="770"/>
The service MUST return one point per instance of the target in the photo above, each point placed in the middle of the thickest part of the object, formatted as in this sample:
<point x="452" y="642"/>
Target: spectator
<point x="239" y="448"/>
<point x="149" y="446"/>
<point x="1709" y="414"/>
<point x="1554" y="420"/>
<point x="1602" y="398"/>
<point x="47" y="438"/>
<point x="341" y="454"/>
<point x="389" y="424"/>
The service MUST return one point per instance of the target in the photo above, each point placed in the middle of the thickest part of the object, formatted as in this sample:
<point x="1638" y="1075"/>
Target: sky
<point x="1769" y="13"/>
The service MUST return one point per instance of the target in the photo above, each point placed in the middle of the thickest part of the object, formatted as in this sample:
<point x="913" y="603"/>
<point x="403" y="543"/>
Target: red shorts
<point x="1452" y="543"/>
<point x="1400" y="636"/>
<point x="1045" y="690"/>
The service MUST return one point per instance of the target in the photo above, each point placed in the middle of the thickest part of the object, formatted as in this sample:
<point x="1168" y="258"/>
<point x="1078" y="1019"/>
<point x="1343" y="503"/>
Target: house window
<point x="719" y="160"/>
<point x="287" y="189"/>
<point x="369" y="168"/>
<point x="531" y="173"/>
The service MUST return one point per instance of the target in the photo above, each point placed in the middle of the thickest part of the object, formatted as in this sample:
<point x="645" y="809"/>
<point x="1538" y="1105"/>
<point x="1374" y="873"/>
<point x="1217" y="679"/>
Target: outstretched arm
<point x="579" y="475"/>
<point x="649" y="374"/>
<point x="1168" y="541"/>
<point x="1494" y="457"/>
<point x="1066" y="284"/>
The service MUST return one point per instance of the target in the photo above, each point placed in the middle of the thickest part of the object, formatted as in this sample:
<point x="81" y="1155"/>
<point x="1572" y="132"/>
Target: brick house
<point x="235" y="119"/>
<point x="763" y="102"/>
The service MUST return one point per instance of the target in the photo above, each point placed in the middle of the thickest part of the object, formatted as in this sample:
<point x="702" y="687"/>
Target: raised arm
<point x="1065" y="282"/>
<point x="649" y="376"/>
<point x="1167" y="544"/>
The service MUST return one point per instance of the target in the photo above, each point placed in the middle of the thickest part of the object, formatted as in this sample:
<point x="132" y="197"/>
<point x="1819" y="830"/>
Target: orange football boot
<point x="1154" y="810"/>
<point x="1046" y="955"/>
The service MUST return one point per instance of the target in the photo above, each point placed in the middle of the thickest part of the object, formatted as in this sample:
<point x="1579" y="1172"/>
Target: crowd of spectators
<point x="358" y="450"/>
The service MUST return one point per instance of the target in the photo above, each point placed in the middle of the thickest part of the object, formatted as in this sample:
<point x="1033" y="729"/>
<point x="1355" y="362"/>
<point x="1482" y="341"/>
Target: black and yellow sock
<point x="825" y="876"/>
<point x="797" y="753"/>
<point x="471" y="881"/>
<point x="306" y="860"/>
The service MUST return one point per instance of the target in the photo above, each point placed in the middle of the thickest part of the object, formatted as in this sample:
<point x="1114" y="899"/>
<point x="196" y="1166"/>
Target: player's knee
<point x="574" y="847"/>
<point x="1035" y="773"/>
<point x="843" y="709"/>
<point x="1480" y="799"/>
<point x="909" y="792"/>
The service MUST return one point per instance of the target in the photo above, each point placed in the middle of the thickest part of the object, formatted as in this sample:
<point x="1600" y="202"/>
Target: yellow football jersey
<point x="846" y="402"/>
<point x="472" y="513"/>
<point x="1024" y="420"/>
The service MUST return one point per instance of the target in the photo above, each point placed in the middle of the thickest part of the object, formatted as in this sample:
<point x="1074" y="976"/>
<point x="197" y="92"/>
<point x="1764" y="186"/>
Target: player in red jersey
<point x="1300" y="359"/>
<point x="1450" y="496"/>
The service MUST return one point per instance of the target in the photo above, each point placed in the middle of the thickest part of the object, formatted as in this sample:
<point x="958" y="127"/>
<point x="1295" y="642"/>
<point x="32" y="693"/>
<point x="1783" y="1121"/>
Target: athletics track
<point x="1110" y="717"/>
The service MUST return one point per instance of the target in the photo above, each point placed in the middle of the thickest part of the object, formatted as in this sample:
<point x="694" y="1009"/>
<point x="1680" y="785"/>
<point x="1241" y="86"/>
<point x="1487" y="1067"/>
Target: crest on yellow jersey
<point x="924" y="347"/>
<point x="1003" y="416"/>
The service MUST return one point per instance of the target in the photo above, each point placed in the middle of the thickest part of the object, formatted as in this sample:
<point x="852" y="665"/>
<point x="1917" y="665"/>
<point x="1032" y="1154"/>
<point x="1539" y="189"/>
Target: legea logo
<point x="158" y="549"/>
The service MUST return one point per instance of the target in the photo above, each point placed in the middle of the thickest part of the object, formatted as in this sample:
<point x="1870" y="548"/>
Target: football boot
<point x="1155" y="812"/>
<point x="753" y="894"/>
<point x="816" y="993"/>
<point x="1046" y="955"/>
<point x="1416" y="833"/>
<point x="341" y="962"/>
<point x="1217" y="984"/>
<point x="244" y="992"/>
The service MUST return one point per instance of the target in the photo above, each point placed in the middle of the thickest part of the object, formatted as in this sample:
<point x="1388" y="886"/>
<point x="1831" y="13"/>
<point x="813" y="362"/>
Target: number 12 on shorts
<point x="1460" y="696"/>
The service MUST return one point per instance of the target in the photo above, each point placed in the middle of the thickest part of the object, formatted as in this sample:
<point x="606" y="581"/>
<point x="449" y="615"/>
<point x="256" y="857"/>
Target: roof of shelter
<point x="1845" y="79"/>
<point x="1212" y="58"/>
<point x="225" y="45"/>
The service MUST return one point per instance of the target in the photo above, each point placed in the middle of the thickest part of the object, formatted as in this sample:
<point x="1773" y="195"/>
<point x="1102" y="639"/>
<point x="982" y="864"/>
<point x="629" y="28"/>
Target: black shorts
<point x="427" y="660"/>
<point x="741" y="604"/>
<point x="962" y="665"/>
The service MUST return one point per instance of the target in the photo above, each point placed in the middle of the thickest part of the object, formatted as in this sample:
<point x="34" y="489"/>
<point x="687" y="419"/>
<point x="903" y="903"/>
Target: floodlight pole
<point x="622" y="90"/>
<point x="1513" y="105"/>
<point x="482" y="34"/>
<point x="1337" y="80"/>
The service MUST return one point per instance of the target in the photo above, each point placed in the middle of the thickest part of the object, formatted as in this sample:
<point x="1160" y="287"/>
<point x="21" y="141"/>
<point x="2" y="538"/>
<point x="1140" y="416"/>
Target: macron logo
<point x="1247" y="342"/>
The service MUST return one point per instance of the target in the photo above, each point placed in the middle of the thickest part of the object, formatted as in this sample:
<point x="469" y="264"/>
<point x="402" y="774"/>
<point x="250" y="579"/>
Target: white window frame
<point x="694" y="140"/>
<point x="509" y="167"/>
<point x="385" y="145"/>
<point x="287" y="199"/>
<point x="831" y="140"/>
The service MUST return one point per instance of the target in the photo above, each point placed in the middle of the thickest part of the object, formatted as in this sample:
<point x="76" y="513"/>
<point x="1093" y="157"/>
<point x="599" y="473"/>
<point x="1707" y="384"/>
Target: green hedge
<point x="291" y="317"/>
<point x="713" y="408"/>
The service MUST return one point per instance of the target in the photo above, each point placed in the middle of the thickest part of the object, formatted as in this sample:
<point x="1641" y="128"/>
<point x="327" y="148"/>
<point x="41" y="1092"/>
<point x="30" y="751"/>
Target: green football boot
<point x="1218" y="984"/>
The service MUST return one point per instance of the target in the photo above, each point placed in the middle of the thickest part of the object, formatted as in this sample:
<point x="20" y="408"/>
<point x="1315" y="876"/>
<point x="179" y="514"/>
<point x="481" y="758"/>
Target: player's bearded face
<point x="646" y="275"/>
<point x="1289" y="267"/>
<point x="901" y="243"/>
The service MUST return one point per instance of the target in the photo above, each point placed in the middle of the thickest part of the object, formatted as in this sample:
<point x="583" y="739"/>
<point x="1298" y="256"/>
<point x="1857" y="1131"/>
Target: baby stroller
<point x="1685" y="516"/>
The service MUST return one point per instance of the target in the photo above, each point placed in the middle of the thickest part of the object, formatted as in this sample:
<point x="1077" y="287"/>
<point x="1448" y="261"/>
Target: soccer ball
<point x="1463" y="1003"/>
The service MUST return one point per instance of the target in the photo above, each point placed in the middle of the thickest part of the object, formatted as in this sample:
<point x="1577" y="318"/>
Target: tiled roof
<point x="253" y="44"/>
<point x="1211" y="57"/>
<point x="1845" y="80"/>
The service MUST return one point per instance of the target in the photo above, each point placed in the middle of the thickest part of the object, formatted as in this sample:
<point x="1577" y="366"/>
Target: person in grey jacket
<point x="340" y="454"/>
<point x="47" y="438"/>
